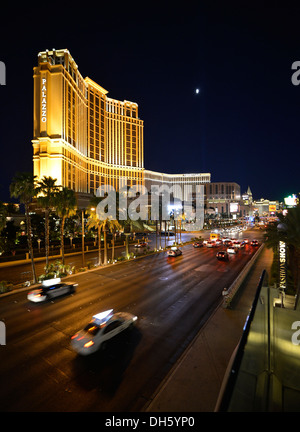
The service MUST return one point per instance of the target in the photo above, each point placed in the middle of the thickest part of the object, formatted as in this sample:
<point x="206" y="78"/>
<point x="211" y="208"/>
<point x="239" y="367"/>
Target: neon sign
<point x="282" y="265"/>
<point x="44" y="100"/>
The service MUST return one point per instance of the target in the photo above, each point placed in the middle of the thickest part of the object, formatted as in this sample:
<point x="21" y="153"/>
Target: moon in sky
<point x="197" y="90"/>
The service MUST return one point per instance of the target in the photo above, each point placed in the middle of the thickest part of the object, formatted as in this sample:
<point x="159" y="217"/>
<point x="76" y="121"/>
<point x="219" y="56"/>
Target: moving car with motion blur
<point x="103" y="327"/>
<point x="238" y="244"/>
<point x="232" y="250"/>
<point x="142" y="244"/>
<point x="198" y="244"/>
<point x="254" y="243"/>
<point x="211" y="244"/>
<point x="50" y="289"/>
<point x="222" y="256"/>
<point x="174" y="251"/>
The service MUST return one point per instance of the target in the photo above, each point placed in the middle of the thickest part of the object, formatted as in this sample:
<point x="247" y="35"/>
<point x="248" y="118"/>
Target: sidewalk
<point x="194" y="383"/>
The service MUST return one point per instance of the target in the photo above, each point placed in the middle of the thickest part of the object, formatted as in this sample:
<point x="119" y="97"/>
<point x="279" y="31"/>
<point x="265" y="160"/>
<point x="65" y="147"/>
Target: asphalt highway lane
<point x="172" y="298"/>
<point x="22" y="272"/>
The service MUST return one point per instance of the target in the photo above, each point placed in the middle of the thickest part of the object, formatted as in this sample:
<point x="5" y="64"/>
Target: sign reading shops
<point x="44" y="100"/>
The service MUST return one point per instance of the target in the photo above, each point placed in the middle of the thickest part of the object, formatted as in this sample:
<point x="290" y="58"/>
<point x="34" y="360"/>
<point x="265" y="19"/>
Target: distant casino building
<point x="84" y="138"/>
<point x="223" y="198"/>
<point x="180" y="184"/>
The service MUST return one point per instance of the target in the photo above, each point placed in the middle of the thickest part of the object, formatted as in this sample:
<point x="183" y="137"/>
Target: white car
<point x="100" y="329"/>
<point x="174" y="251"/>
<point x="238" y="244"/>
<point x="232" y="250"/>
<point x="211" y="243"/>
<point x="50" y="289"/>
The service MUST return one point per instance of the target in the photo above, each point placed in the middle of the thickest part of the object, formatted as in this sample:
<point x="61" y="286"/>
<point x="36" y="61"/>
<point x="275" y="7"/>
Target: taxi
<point x="104" y="326"/>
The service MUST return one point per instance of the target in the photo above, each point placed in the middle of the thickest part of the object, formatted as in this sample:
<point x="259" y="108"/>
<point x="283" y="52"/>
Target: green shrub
<point x="56" y="270"/>
<point x="5" y="287"/>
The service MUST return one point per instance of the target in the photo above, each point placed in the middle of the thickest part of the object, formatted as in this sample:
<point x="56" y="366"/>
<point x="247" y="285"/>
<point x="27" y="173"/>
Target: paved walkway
<point x="195" y="381"/>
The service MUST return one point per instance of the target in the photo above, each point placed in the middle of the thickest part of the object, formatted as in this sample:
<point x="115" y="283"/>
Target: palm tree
<point x="128" y="226"/>
<point x="65" y="205"/>
<point x="3" y="215"/>
<point x="113" y="226"/>
<point x="104" y="225"/>
<point x="94" y="222"/>
<point x="47" y="189"/>
<point x="23" y="188"/>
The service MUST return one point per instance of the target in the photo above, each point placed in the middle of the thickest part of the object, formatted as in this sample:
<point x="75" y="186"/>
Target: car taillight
<point x="88" y="344"/>
<point x="36" y="293"/>
<point x="75" y="336"/>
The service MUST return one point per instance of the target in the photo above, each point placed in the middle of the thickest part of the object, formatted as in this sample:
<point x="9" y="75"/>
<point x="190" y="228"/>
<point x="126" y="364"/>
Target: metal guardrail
<point x="232" y="375"/>
<point x="234" y="287"/>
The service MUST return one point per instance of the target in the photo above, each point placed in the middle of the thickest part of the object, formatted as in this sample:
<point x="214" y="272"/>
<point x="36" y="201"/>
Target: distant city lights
<point x="291" y="200"/>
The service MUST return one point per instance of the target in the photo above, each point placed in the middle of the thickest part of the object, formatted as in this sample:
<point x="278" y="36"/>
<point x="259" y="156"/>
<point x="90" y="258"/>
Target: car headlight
<point x="88" y="344"/>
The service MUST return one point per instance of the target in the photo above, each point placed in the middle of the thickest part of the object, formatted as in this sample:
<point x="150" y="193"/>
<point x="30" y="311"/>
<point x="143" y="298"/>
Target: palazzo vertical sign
<point x="44" y="100"/>
<point x="282" y="265"/>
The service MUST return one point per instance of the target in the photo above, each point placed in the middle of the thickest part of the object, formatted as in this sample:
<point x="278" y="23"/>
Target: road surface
<point x="172" y="297"/>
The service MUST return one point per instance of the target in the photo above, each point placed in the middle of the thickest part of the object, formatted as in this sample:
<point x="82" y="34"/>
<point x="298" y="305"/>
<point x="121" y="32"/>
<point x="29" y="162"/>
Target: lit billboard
<point x="234" y="207"/>
<point x="291" y="200"/>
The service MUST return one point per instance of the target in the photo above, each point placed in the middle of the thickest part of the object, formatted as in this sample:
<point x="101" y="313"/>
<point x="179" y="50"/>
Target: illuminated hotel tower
<point x="85" y="139"/>
<point x="82" y="137"/>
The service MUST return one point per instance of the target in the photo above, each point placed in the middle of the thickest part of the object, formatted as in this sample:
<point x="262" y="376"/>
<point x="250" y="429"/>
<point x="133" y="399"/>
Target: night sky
<point x="243" y="125"/>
